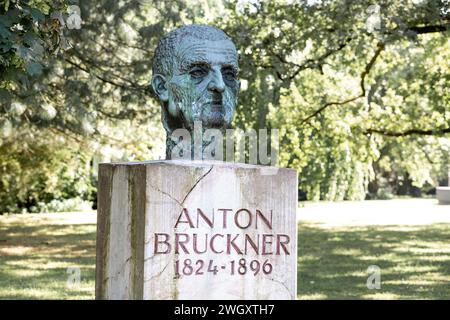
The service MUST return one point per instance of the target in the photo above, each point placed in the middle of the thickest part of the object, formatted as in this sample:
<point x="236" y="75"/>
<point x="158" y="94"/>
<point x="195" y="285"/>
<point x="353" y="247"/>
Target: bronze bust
<point x="195" y="71"/>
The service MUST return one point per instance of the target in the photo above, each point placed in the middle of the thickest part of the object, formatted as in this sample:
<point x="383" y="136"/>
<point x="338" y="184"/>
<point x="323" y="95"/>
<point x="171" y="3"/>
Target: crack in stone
<point x="284" y="285"/>
<point x="121" y="269"/>
<point x="189" y="192"/>
<point x="193" y="187"/>
<point x="167" y="194"/>
<point x="181" y="205"/>
<point x="158" y="274"/>
<point x="151" y="257"/>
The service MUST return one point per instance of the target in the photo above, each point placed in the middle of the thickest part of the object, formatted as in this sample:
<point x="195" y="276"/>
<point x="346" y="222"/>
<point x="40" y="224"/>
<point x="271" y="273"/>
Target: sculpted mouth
<point x="216" y="105"/>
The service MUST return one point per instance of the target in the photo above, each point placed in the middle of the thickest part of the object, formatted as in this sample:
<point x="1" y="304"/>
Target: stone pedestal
<point x="443" y="195"/>
<point x="196" y="230"/>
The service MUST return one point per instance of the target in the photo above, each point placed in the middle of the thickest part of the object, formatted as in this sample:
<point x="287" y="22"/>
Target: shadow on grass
<point x="414" y="262"/>
<point x="36" y="262"/>
<point x="332" y="264"/>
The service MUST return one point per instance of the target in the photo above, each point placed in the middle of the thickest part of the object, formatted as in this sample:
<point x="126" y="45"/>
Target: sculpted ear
<point x="160" y="88"/>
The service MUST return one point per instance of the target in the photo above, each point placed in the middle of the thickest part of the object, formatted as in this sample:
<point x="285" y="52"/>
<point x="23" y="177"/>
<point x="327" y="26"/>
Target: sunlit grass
<point x="36" y="252"/>
<point x="414" y="261"/>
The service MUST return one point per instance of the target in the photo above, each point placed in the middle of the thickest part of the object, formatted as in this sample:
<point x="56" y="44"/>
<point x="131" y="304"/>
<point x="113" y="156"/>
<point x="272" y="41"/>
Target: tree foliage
<point x="359" y="91"/>
<point x="37" y="172"/>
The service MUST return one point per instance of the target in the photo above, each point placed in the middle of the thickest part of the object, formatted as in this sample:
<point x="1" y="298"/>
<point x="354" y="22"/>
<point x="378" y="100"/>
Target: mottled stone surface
<point x="220" y="213"/>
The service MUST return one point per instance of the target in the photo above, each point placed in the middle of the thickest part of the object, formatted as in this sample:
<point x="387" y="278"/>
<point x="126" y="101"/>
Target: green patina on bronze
<point x="195" y="71"/>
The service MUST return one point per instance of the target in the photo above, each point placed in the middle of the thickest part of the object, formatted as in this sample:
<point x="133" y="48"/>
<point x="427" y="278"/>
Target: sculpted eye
<point x="229" y="74"/>
<point x="198" y="72"/>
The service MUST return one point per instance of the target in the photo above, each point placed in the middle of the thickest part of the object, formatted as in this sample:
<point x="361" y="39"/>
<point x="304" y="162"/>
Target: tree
<point x="342" y="80"/>
<point x="357" y="90"/>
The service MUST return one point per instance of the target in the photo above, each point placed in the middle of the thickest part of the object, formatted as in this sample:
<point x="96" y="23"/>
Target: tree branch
<point x="430" y="29"/>
<point x="94" y="64"/>
<point x="310" y="63"/>
<point x="314" y="63"/>
<point x="380" y="47"/>
<point x="431" y="132"/>
<point x="366" y="71"/>
<point x="103" y="78"/>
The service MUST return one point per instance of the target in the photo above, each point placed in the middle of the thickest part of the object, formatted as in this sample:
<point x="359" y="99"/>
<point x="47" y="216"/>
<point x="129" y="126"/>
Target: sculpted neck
<point x="197" y="144"/>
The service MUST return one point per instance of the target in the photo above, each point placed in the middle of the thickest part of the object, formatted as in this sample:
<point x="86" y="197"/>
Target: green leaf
<point x="5" y="21"/>
<point x="34" y="69"/>
<point x="37" y="15"/>
<point x="5" y="47"/>
<point x="43" y="7"/>
<point x="22" y="52"/>
<point x="13" y="17"/>
<point x="30" y="38"/>
<point x="6" y="5"/>
<point x="4" y="33"/>
<point x="5" y="96"/>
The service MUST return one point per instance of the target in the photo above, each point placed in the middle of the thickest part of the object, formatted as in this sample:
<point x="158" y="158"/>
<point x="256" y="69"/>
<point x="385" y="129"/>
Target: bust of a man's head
<point x="195" y="71"/>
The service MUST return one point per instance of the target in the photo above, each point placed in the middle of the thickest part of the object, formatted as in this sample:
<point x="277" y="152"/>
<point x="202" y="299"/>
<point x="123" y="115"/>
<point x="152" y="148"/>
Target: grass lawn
<point x="408" y="239"/>
<point x="37" y="250"/>
<point x="414" y="262"/>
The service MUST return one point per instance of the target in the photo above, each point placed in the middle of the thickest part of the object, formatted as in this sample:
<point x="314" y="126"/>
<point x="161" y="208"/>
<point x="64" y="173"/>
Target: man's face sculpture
<point x="196" y="79"/>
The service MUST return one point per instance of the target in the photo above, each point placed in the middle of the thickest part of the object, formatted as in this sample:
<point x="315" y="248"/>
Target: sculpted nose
<point x="216" y="84"/>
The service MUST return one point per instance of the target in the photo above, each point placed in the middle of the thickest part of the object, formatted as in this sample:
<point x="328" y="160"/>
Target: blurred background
<point x="359" y="91"/>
